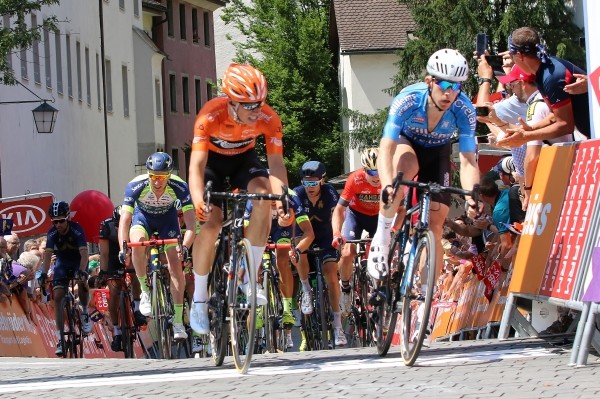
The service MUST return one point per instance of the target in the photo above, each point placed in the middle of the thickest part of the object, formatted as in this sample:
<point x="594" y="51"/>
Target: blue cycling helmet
<point x="58" y="210"/>
<point x="159" y="162"/>
<point x="313" y="169"/>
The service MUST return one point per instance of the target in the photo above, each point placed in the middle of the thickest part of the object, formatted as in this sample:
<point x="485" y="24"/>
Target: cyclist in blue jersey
<point x="319" y="200"/>
<point x="417" y="141"/>
<point x="296" y="226"/>
<point x="150" y="205"/>
<point x="553" y="74"/>
<point x="66" y="240"/>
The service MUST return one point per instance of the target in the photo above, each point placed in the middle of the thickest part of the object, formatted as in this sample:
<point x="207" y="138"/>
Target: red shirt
<point x="361" y="196"/>
<point x="214" y="130"/>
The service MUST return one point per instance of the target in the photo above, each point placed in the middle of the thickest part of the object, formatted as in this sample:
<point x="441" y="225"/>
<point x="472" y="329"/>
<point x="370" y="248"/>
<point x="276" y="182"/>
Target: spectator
<point x="24" y="271"/>
<point x="42" y="243"/>
<point x="30" y="245"/>
<point x="569" y="111"/>
<point x="499" y="202"/>
<point x="506" y="169"/>
<point x="13" y="242"/>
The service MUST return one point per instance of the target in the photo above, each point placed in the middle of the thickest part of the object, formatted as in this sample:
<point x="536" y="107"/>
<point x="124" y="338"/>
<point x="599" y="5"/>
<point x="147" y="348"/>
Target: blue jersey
<point x="408" y="117"/>
<point x="138" y="193"/>
<point x="551" y="79"/>
<point x="66" y="247"/>
<point x="320" y="213"/>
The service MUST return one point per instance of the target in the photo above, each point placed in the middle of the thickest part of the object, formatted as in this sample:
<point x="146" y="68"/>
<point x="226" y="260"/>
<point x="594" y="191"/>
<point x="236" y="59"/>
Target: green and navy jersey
<point x="138" y="193"/>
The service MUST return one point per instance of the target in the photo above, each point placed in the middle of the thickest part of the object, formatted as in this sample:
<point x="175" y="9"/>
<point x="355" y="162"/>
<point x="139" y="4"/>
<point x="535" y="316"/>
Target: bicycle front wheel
<point x="125" y="320"/>
<point x="217" y="307"/>
<point x="242" y="309"/>
<point x="162" y="316"/>
<point x="417" y="304"/>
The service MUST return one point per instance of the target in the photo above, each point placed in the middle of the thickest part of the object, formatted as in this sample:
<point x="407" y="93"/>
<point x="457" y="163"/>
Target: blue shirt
<point x="501" y="213"/>
<point x="320" y="213"/>
<point x="408" y="117"/>
<point x="66" y="247"/>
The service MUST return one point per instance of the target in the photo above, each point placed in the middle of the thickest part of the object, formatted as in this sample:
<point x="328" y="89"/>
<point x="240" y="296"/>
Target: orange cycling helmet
<point x="244" y="83"/>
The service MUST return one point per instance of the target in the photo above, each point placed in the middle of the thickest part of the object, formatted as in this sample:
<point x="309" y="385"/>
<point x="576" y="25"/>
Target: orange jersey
<point x="360" y="194"/>
<point x="215" y="131"/>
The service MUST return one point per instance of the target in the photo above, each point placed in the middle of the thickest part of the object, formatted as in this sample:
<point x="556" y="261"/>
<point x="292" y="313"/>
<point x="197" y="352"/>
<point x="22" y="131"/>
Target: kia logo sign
<point x="25" y="217"/>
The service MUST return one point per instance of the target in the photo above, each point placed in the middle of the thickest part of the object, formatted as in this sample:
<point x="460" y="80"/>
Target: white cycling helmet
<point x="448" y="64"/>
<point x="368" y="158"/>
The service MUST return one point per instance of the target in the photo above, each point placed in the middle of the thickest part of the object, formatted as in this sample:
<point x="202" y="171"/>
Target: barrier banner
<point x="29" y="215"/>
<point x="101" y="296"/>
<point x="479" y="265"/>
<point x="18" y="336"/>
<point x="541" y="220"/>
<point x="444" y="314"/>
<point x="491" y="279"/>
<point x="578" y="207"/>
<point x="464" y="307"/>
<point x="592" y="291"/>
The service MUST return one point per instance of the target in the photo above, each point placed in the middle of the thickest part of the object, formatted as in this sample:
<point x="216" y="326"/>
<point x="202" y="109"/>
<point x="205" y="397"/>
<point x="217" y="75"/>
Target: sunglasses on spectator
<point x="310" y="183"/>
<point x="58" y="221"/>
<point x="446" y="84"/>
<point x="373" y="172"/>
<point x="159" y="177"/>
<point x="251" y="106"/>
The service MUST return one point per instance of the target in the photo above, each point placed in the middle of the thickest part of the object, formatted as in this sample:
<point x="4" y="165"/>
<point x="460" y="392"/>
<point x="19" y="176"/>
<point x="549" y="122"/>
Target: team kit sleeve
<point x="397" y="115"/>
<point x="182" y="192"/>
<point x="466" y="123"/>
<point x="132" y="191"/>
<point x="273" y="132"/>
<point x="296" y="205"/>
<point x="554" y="85"/>
<point x="104" y="233"/>
<point x="79" y="235"/>
<point x="203" y="125"/>
<point x="348" y="192"/>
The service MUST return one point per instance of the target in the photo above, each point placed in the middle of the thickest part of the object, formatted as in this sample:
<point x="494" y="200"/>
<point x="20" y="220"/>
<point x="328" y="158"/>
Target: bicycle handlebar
<point x="150" y="243"/>
<point x="243" y="195"/>
<point x="435" y="188"/>
<point x="276" y="246"/>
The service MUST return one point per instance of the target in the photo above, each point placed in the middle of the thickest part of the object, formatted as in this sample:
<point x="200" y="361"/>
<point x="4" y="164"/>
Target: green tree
<point x="288" y="41"/>
<point x="19" y="35"/>
<point x="445" y="24"/>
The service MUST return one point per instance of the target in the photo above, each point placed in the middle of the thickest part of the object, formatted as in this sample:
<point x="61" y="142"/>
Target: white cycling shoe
<point x="377" y="261"/>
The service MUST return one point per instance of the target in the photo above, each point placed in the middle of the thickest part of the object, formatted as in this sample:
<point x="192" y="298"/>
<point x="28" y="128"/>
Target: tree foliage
<point x="20" y="35"/>
<point x="288" y="41"/>
<point x="454" y="24"/>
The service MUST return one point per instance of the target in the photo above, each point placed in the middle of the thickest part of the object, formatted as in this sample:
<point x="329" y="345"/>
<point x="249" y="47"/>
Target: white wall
<point x="73" y="158"/>
<point x="363" y="78"/>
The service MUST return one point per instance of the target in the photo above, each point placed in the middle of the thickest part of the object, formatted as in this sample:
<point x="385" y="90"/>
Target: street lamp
<point x="45" y="117"/>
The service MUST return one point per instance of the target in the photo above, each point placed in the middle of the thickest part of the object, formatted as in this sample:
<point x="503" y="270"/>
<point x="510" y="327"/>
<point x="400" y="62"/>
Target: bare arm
<point x="337" y="218"/>
<point x="277" y="172"/>
<point x="196" y="177"/>
<point x="103" y="246"/>
<point x="124" y="224"/>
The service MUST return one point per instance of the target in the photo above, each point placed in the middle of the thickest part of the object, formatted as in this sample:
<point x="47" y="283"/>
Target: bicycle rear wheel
<point x="162" y="316"/>
<point x="125" y="320"/>
<point x="386" y="298"/>
<point x="242" y="310"/>
<point x="417" y="305"/>
<point x="365" y="322"/>
<point x="64" y="317"/>
<point x="217" y="305"/>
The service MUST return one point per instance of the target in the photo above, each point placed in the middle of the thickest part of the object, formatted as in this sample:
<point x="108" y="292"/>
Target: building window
<point x="122" y="5"/>
<point x="6" y="25"/>
<point x="157" y="92"/>
<point x="198" y="94"/>
<point x="206" y="29"/>
<point x="173" y="92"/>
<point x="182" y="32"/>
<point x="35" y="49"/>
<point x="47" y="58"/>
<point x="88" y="78"/>
<point x="194" y="25"/>
<point x="59" y="76"/>
<point x="78" y="69"/>
<point x="186" y="94"/>
<point x="209" y="91"/>
<point x="136" y="8"/>
<point x="175" y="157"/>
<point x="108" y="86"/>
<point x="69" y="68"/>
<point x="98" y="80"/>
<point x="23" y="56"/>
<point x="125" y="91"/>
<point x="170" y="30"/>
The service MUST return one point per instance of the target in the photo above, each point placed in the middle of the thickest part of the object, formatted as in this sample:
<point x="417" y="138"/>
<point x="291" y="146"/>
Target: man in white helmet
<point x="416" y="140"/>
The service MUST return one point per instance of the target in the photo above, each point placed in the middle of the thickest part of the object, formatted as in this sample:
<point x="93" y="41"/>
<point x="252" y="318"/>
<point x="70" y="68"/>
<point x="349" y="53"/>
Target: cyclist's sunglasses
<point x="59" y="221"/>
<point x="251" y="106"/>
<point x="310" y="183"/>
<point x="446" y="84"/>
<point x="154" y="177"/>
<point x="373" y="172"/>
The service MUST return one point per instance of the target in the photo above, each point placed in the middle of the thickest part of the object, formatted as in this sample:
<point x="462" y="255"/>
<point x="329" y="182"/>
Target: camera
<point x="482" y="110"/>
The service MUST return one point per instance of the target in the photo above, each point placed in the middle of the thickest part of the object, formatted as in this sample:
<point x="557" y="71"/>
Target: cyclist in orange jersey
<point x="223" y="150"/>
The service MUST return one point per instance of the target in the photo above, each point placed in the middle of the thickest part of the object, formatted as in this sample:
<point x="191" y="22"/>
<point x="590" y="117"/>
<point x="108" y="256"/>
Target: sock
<point x="382" y="235"/>
<point x="287" y="305"/>
<point x="257" y="254"/>
<point x="305" y="285"/>
<point x="178" y="317"/>
<point x="200" y="288"/>
<point x="143" y="283"/>
<point x="57" y="334"/>
<point x="337" y="319"/>
<point x="136" y="305"/>
<point x="116" y="330"/>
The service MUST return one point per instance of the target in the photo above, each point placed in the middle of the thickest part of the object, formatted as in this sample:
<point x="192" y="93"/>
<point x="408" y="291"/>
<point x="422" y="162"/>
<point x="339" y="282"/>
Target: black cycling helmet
<point x="58" y="210"/>
<point x="159" y="162"/>
<point x="117" y="214"/>
<point x="313" y="169"/>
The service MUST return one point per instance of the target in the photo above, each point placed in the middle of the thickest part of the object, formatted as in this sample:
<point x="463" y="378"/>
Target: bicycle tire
<point x="65" y="342"/>
<point x="217" y="305"/>
<point x="365" y="320"/>
<point x="77" y="334"/>
<point x="387" y="297"/>
<point x="243" y="311"/>
<point x="127" y="330"/>
<point x="161" y="324"/>
<point x="415" y="311"/>
<point x="269" y="313"/>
